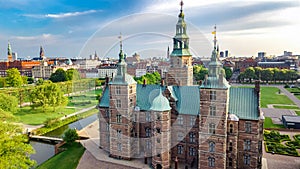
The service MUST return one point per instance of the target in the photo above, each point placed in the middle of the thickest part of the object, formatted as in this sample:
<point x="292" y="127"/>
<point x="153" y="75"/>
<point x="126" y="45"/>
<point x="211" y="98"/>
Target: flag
<point x="214" y="32"/>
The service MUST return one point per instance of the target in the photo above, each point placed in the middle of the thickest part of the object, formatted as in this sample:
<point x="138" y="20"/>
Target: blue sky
<point x="78" y="28"/>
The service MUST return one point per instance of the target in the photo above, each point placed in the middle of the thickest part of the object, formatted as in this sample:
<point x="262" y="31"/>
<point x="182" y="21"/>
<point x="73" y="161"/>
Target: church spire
<point x="42" y="54"/>
<point x="9" y="51"/>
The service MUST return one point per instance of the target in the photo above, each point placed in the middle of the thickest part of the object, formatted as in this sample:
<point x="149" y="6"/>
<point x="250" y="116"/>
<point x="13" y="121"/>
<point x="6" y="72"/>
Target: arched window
<point x="211" y="146"/>
<point x="230" y="146"/>
<point x="211" y="161"/>
<point x="230" y="162"/>
<point x="212" y="128"/>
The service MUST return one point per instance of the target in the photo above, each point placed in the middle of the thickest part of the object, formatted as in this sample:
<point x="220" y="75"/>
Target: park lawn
<point x="285" y="107"/>
<point x="269" y="124"/>
<point x="297" y="112"/>
<point x="294" y="90"/>
<point x="37" y="116"/>
<point x="67" y="159"/>
<point x="269" y="96"/>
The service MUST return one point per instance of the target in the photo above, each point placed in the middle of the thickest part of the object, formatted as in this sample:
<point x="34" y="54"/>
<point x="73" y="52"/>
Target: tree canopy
<point x="151" y="78"/>
<point x="59" y="75"/>
<point x="199" y="72"/>
<point x="72" y="74"/>
<point x="70" y="136"/>
<point x="14" y="78"/>
<point x="8" y="103"/>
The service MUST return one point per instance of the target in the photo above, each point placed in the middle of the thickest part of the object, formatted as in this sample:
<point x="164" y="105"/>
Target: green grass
<point x="269" y="95"/>
<point x="294" y="90"/>
<point x="269" y="124"/>
<point x="68" y="159"/>
<point x="298" y="112"/>
<point x="285" y="107"/>
<point x="37" y="116"/>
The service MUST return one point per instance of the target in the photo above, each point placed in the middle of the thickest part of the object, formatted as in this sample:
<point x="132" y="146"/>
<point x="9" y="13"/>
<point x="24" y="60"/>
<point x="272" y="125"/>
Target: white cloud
<point x="44" y="36"/>
<point x="62" y="15"/>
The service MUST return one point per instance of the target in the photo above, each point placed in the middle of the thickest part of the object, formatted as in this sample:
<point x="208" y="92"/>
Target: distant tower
<point x="96" y="56"/>
<point x="214" y="103"/>
<point x="42" y="53"/>
<point x="168" y="53"/>
<point x="181" y="70"/>
<point x="9" y="53"/>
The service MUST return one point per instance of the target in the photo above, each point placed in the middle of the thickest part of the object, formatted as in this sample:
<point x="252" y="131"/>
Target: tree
<point x="267" y="74"/>
<point x="70" y="136"/>
<point x="14" y="78"/>
<point x="8" y="103"/>
<point x="250" y="73"/>
<point x="73" y="74"/>
<point x="47" y="95"/>
<point x="24" y="80"/>
<point x="228" y="72"/>
<point x="151" y="78"/>
<point x="199" y="72"/>
<point x="276" y="74"/>
<point x="30" y="80"/>
<point x="258" y="71"/>
<point x="59" y="76"/>
<point x="14" y="151"/>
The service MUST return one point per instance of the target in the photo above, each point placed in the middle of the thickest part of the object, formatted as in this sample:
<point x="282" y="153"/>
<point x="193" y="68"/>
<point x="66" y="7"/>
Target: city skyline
<point x="65" y="28"/>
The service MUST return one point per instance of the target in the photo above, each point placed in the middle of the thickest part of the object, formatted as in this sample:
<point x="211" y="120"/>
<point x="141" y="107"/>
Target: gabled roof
<point x="243" y="102"/>
<point x="188" y="99"/>
<point x="104" y="101"/>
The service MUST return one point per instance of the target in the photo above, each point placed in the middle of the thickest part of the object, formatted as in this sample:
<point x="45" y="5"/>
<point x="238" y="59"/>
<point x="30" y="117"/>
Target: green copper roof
<point x="119" y="80"/>
<point x="160" y="103"/>
<point x="213" y="82"/>
<point x="181" y="52"/>
<point x="243" y="102"/>
<point x="145" y="95"/>
<point x="188" y="99"/>
<point x="104" y="101"/>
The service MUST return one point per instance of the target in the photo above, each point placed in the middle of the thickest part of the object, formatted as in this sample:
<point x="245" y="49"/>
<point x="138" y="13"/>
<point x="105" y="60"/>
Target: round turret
<point x="160" y="103"/>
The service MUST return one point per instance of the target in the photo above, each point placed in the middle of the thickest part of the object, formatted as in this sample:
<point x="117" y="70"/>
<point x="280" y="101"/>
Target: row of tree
<point x="150" y="78"/>
<point x="268" y="75"/>
<point x="60" y="75"/>
<point x="199" y="72"/>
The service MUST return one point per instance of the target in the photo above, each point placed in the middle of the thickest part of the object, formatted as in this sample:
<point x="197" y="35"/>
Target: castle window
<point x="130" y="102"/>
<point x="119" y="133"/>
<point x="148" y="132"/>
<point x="259" y="146"/>
<point x="192" y="151"/>
<point x="212" y="111"/>
<point x="247" y="158"/>
<point x="211" y="162"/>
<point x="118" y="90"/>
<point x="180" y="119"/>
<point x="119" y="118"/>
<point x="148" y="116"/>
<point x="119" y="145"/>
<point x="212" y="146"/>
<point x="212" y="128"/>
<point x="180" y="136"/>
<point x="248" y="127"/>
<point x="259" y="160"/>
<point x="230" y="162"/>
<point x="230" y="146"/>
<point x="107" y="126"/>
<point x="118" y="103"/>
<point x="192" y="137"/>
<point x="231" y="128"/>
<point x="107" y="113"/>
<point x="247" y="145"/>
<point x="179" y="149"/>
<point x="148" y="144"/>
<point x="158" y="130"/>
<point x="213" y="95"/>
<point x="192" y="120"/>
<point x="130" y="89"/>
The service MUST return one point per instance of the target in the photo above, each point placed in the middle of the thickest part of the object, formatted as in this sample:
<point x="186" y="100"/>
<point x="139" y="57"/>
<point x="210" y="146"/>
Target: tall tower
<point x="161" y="156"/>
<point x="9" y="53"/>
<point x="181" y="70"/>
<point x="122" y="102"/>
<point x="214" y="101"/>
<point x="42" y="53"/>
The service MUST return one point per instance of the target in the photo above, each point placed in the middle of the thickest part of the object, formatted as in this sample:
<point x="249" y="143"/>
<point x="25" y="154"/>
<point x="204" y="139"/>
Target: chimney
<point x="144" y="82"/>
<point x="162" y="82"/>
<point x="106" y="80"/>
<point x="257" y="86"/>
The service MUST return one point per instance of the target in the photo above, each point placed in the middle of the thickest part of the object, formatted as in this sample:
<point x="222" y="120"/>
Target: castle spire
<point x="215" y="37"/>
<point x="181" y="14"/>
<point x="42" y="54"/>
<point x="121" y="54"/>
<point x="9" y="51"/>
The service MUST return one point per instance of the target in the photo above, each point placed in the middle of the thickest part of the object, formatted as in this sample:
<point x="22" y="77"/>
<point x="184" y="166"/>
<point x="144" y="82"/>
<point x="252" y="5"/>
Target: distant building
<point x="108" y="71"/>
<point x="244" y="63"/>
<point x="261" y="56"/>
<point x="291" y="121"/>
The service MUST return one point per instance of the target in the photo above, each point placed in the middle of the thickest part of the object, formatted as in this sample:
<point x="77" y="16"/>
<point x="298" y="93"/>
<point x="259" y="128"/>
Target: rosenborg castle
<point x="176" y="123"/>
